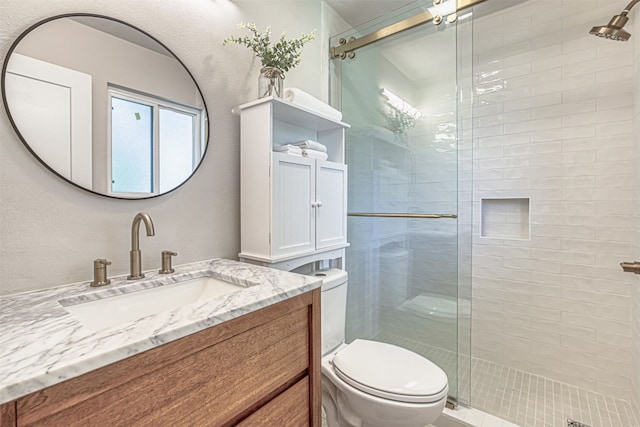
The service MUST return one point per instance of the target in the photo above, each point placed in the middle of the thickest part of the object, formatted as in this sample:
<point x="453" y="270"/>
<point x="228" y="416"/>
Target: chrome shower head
<point x="613" y="30"/>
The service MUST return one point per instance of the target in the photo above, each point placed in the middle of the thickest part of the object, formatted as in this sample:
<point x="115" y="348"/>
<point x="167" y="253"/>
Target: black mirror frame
<point x="26" y="144"/>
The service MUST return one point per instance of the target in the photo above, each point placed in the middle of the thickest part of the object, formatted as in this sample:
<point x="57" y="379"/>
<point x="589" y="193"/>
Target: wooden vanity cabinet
<point x="261" y="369"/>
<point x="8" y="414"/>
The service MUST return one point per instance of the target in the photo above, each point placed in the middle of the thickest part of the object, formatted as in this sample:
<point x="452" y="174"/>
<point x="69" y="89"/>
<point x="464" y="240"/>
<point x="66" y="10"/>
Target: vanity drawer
<point x="291" y="408"/>
<point x="212" y="385"/>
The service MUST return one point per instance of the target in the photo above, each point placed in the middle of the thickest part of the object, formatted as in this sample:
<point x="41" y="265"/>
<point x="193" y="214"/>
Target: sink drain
<point x="573" y="423"/>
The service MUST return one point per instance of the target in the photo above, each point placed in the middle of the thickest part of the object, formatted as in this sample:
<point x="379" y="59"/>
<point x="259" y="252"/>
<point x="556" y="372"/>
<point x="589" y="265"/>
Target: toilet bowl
<point x="368" y="383"/>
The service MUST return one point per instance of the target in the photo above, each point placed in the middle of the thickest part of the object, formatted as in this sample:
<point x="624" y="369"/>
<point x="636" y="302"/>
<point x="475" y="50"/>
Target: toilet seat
<point x="390" y="372"/>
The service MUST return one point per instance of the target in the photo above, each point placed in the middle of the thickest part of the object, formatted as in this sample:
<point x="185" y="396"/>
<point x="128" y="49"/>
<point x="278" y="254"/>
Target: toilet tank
<point x="333" y="307"/>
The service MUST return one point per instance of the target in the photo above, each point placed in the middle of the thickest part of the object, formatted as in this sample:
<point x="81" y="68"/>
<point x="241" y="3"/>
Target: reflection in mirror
<point x="105" y="106"/>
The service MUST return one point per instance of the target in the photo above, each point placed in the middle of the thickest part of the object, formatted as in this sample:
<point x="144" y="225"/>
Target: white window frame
<point x="156" y="103"/>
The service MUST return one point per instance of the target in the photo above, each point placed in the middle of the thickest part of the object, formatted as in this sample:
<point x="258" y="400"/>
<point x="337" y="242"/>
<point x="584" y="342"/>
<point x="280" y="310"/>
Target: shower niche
<point x="505" y="218"/>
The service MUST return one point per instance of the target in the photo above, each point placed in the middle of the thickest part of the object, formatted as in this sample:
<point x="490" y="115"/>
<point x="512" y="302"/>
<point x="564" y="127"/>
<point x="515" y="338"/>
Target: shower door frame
<point x="346" y="49"/>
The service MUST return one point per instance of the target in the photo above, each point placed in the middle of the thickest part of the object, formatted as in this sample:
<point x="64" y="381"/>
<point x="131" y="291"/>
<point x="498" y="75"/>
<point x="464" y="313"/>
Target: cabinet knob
<point x="314" y="205"/>
<point x="319" y="204"/>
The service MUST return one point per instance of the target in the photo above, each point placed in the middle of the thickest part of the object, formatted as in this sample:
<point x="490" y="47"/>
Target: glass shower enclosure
<point x="408" y="100"/>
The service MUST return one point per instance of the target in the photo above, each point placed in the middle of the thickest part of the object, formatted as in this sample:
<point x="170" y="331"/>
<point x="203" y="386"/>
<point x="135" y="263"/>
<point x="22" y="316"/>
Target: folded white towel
<point x="288" y="149"/>
<point x="302" y="98"/>
<point x="312" y="145"/>
<point x="313" y="154"/>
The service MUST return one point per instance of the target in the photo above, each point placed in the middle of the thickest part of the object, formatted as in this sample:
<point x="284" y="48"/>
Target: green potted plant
<point x="276" y="58"/>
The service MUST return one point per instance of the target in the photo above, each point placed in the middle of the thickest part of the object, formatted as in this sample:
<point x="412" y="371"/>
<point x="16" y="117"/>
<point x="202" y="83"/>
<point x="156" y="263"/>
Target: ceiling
<point x="357" y="12"/>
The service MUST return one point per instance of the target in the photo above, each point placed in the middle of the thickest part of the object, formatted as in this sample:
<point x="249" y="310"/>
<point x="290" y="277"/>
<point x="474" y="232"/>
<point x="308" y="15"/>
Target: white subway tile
<point x="533" y="125"/>
<point x="566" y="84"/>
<point x="621" y="341"/>
<point x="616" y="75"/>
<point x="533" y="79"/>
<point x="582" y="156"/>
<point x="618" y="101"/>
<point x="532" y="56"/>
<point x="579" y="245"/>
<point x="488" y="131"/>
<point x="564" y="133"/>
<point x="515" y="116"/>
<point x="564" y="108"/>
<point x="613" y="234"/>
<point x="613" y="313"/>
<point x="583" y="169"/>
<point x="546" y="284"/>
<point x="618" y="207"/>
<point x="607" y="65"/>
<point x="533" y="102"/>
<point x="604" y="116"/>
<point x="575" y="57"/>
<point x="578" y="44"/>
<point x="571" y="367"/>
<point x="598" y="298"/>
<point x="614" y="128"/>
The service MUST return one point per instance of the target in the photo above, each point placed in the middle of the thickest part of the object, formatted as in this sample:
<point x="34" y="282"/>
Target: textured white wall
<point x="553" y="122"/>
<point x="50" y="231"/>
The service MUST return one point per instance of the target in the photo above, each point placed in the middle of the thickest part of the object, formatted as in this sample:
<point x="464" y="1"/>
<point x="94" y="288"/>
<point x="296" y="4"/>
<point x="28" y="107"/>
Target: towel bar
<point x="402" y="215"/>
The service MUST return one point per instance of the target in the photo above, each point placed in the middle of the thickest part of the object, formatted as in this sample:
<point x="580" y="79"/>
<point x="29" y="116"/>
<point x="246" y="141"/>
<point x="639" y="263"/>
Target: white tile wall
<point x="634" y="236"/>
<point x="554" y="122"/>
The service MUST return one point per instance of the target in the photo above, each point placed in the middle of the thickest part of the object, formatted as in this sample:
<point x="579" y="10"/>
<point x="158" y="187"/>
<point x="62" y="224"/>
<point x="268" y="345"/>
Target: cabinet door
<point x="293" y="195"/>
<point x="331" y="201"/>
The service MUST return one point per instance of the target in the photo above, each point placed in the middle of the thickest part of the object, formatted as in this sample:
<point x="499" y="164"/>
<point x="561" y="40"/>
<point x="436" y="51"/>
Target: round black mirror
<point x="105" y="106"/>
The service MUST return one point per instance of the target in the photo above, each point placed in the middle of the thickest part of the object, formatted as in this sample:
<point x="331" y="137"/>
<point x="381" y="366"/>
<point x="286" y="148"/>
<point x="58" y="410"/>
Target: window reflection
<point x="155" y="143"/>
<point x="177" y="147"/>
<point x="131" y="147"/>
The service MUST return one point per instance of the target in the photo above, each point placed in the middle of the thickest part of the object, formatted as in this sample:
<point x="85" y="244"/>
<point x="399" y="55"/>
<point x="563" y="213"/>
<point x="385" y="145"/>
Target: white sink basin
<point x="113" y="310"/>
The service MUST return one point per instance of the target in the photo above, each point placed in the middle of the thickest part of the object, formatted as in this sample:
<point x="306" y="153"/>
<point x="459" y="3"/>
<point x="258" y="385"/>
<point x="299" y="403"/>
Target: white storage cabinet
<point x="292" y="207"/>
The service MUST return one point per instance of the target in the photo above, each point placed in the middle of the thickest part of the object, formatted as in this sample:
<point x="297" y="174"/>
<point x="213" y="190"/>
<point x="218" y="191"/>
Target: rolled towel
<point x="313" y="154"/>
<point x="312" y="145"/>
<point x="288" y="149"/>
<point x="302" y="98"/>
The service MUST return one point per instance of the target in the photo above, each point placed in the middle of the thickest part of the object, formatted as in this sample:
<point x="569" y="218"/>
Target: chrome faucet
<point x="135" y="270"/>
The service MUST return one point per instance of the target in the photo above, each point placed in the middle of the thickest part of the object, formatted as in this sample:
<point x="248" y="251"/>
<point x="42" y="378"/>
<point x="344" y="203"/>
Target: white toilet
<point x="368" y="383"/>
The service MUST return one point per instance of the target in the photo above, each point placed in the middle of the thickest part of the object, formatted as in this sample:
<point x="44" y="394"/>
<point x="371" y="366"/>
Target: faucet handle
<point x="166" y="262"/>
<point x="100" y="272"/>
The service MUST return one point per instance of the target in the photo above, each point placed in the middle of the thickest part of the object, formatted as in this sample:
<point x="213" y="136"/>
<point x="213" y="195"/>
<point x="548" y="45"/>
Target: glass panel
<point x="464" y="52"/>
<point x="131" y="147"/>
<point x="400" y="97"/>
<point x="176" y="138"/>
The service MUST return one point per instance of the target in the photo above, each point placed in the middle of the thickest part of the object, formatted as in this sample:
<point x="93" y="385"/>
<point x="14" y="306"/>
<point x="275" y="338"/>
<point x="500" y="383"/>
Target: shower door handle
<point x="631" y="267"/>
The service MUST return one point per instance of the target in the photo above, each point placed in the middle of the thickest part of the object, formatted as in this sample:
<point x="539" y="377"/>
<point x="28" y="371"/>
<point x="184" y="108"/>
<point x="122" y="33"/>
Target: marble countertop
<point x="41" y="344"/>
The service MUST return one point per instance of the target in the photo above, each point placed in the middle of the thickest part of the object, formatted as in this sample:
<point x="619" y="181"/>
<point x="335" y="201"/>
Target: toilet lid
<point x="390" y="372"/>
